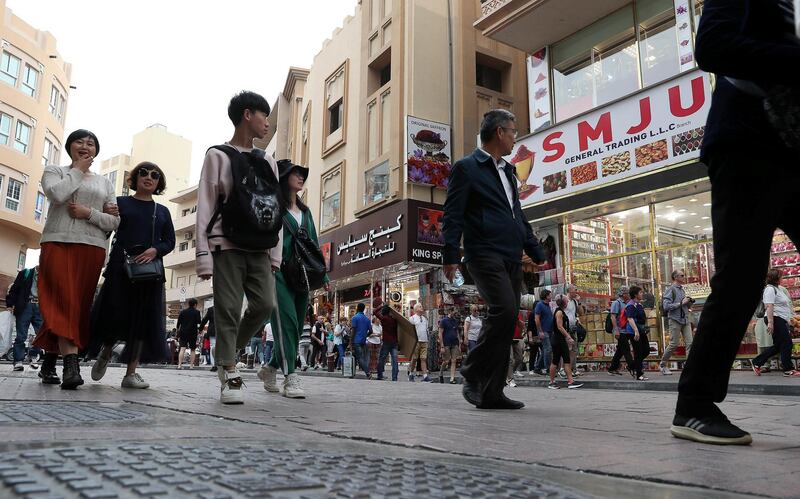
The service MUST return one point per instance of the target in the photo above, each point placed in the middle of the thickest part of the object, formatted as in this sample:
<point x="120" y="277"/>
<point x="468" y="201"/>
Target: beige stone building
<point x="171" y="152"/>
<point x="391" y="66"/>
<point x="34" y="90"/>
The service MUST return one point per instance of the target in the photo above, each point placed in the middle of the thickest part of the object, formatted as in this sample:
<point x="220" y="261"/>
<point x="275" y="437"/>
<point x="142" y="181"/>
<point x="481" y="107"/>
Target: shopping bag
<point x="6" y="331"/>
<point x="348" y="366"/>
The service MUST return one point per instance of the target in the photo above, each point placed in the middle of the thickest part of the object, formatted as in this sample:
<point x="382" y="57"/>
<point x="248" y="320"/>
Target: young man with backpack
<point x="675" y="305"/>
<point x="617" y="314"/>
<point x="239" y="236"/>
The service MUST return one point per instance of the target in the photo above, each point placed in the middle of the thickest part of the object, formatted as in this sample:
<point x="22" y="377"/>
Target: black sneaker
<point x="710" y="430"/>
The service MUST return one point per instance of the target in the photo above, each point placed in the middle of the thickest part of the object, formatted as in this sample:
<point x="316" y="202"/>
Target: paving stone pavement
<point x="569" y="443"/>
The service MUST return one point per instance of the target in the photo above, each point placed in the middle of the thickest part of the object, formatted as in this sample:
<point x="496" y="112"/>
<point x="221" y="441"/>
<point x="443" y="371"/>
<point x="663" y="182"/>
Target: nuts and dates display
<point x="584" y="173"/>
<point x="555" y="182"/>
<point x="617" y="163"/>
<point x="651" y="153"/>
<point x="689" y="141"/>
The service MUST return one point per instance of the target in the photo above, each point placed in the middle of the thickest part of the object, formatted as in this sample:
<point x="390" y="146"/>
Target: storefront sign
<point x="658" y="127"/>
<point x="405" y="231"/>
<point x="427" y="152"/>
<point x="539" y="89"/>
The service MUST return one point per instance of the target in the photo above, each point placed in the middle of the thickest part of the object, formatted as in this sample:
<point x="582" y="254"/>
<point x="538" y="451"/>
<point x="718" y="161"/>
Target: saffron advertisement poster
<point x="428" y="156"/>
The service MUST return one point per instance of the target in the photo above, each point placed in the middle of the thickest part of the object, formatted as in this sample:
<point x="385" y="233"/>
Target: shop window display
<point x="658" y="34"/>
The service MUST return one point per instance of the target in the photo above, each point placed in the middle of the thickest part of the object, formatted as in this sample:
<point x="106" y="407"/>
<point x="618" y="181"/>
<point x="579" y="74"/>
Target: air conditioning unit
<point x="188" y="236"/>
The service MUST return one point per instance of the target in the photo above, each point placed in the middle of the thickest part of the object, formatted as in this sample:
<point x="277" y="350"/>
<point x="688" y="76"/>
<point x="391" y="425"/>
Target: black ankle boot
<point x="72" y="373"/>
<point x="48" y="370"/>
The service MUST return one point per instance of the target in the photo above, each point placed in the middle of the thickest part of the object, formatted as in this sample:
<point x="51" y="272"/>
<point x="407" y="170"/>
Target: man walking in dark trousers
<point x="389" y="346"/>
<point x="23" y="299"/>
<point x="188" y="327"/>
<point x="483" y="206"/>
<point x="623" y="340"/>
<point x="746" y="208"/>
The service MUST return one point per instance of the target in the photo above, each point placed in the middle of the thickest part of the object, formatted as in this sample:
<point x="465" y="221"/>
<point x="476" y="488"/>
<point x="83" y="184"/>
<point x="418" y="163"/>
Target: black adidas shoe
<point x="710" y="430"/>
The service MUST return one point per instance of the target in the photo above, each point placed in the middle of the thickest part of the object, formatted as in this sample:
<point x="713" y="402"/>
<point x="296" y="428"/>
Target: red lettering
<point x="645" y="113"/>
<point x="698" y="98"/>
<point x="587" y="133"/>
<point x="557" y="148"/>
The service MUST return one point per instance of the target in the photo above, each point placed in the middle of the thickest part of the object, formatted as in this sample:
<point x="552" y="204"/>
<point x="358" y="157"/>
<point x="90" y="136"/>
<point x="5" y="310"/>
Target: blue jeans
<point x="546" y="355"/>
<point x="388" y="349"/>
<point x="257" y="347"/>
<point x="29" y="315"/>
<point x="362" y="356"/>
<point x="340" y="359"/>
<point x="268" y="345"/>
<point x="471" y="344"/>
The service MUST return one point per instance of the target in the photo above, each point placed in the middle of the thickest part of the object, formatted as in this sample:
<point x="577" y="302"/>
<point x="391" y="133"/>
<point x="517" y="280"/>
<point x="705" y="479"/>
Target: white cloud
<point x="177" y="62"/>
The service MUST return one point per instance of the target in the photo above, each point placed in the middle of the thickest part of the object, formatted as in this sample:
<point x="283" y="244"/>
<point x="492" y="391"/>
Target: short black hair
<point x="192" y="302"/>
<point x="544" y="294"/>
<point x="246" y="100"/>
<point x="361" y="307"/>
<point x="133" y="178"/>
<point x="493" y="120"/>
<point x="82" y="134"/>
<point x="634" y="291"/>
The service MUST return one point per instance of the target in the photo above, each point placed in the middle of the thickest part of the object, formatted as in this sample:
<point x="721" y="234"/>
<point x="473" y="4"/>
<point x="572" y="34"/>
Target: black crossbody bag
<point x="304" y="271"/>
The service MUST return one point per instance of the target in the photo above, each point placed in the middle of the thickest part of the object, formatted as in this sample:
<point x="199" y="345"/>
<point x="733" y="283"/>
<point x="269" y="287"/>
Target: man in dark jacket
<point x="23" y="300"/>
<point x="746" y="206"/>
<point x="483" y="206"/>
<point x="389" y="346"/>
<point x="188" y="327"/>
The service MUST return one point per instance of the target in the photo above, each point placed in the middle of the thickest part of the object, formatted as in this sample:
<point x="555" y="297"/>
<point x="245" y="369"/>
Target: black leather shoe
<point x="48" y="370"/>
<point x="472" y="392"/>
<point x="72" y="373"/>
<point x="503" y="403"/>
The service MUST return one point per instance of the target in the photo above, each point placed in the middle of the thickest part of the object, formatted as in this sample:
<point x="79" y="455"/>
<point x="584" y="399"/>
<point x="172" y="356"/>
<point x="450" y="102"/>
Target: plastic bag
<point x="6" y="331"/>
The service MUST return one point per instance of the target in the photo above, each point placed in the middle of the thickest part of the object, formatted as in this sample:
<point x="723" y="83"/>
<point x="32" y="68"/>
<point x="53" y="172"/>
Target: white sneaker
<point x="231" y="387"/>
<point x="99" y="368"/>
<point x="665" y="371"/>
<point x="518" y="374"/>
<point x="511" y="383"/>
<point x="292" y="388"/>
<point x="269" y="375"/>
<point x="131" y="381"/>
<point x="562" y="373"/>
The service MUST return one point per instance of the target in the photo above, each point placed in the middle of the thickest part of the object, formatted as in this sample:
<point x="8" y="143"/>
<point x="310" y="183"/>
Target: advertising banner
<point x="428" y="152"/>
<point x="539" y="89"/>
<point x="658" y="127"/>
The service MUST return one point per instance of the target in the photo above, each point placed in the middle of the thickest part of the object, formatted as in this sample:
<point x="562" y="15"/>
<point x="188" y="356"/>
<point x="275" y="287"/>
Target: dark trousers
<point x="641" y="349"/>
<point x="623" y="348"/>
<point x="30" y="314"/>
<point x="745" y="211"/>
<point x="781" y="343"/>
<point x="317" y="353"/>
<point x="498" y="283"/>
<point x="533" y="354"/>
<point x="389" y="349"/>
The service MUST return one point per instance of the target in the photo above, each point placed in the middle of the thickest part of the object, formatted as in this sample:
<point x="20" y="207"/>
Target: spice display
<point x="651" y="153"/>
<point x="617" y="163"/>
<point x="688" y="141"/>
<point x="555" y="182"/>
<point x="584" y="173"/>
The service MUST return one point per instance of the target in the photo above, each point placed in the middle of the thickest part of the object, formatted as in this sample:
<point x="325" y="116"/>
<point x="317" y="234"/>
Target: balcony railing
<point x="180" y="258"/>
<point x="199" y="289"/>
<point x="489" y="6"/>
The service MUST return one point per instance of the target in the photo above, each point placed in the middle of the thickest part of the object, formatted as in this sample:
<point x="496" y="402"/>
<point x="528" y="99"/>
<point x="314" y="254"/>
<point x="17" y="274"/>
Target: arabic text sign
<point x="659" y="127"/>
<point x="378" y="242"/>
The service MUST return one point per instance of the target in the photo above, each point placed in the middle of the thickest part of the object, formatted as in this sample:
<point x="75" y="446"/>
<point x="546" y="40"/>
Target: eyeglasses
<point x="153" y="174"/>
<point x="513" y="130"/>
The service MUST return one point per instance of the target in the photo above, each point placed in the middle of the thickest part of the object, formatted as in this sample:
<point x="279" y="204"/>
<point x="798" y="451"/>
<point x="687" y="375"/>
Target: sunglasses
<point x="153" y="174"/>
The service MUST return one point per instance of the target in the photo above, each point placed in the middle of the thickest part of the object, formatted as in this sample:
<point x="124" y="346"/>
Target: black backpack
<point x="609" y="326"/>
<point x="253" y="214"/>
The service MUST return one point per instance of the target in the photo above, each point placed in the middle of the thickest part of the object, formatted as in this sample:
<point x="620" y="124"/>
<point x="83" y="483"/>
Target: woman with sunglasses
<point x="134" y="312"/>
<point x="74" y="241"/>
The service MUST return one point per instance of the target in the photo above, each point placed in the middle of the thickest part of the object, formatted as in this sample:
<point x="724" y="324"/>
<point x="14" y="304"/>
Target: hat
<point x="285" y="167"/>
<point x="623" y="290"/>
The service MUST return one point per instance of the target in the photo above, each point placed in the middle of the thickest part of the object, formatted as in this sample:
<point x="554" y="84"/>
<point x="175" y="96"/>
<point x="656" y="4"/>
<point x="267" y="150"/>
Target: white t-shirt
<point x="297" y="213"/>
<point x="268" y="330"/>
<point x="377" y="329"/>
<point x="475" y="324"/>
<point x="337" y="334"/>
<point x="572" y="312"/>
<point x="782" y="303"/>
<point x="421" y="325"/>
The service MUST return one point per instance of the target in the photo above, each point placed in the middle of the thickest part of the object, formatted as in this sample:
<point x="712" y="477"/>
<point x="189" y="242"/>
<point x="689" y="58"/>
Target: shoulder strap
<point x="288" y="226"/>
<point x="153" y="233"/>
<point x="230" y="151"/>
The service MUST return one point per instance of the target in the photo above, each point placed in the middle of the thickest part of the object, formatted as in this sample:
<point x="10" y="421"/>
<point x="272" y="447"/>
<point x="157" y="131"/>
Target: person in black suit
<point x="483" y="206"/>
<point x="746" y="208"/>
<point x="23" y="300"/>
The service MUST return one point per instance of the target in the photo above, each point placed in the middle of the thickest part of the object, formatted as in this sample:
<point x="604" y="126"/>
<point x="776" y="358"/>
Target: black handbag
<point x="304" y="271"/>
<point x="152" y="271"/>
<point x="580" y="332"/>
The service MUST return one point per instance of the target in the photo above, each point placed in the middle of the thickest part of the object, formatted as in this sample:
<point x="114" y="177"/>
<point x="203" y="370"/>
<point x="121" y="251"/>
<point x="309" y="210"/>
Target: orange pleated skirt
<point x="68" y="275"/>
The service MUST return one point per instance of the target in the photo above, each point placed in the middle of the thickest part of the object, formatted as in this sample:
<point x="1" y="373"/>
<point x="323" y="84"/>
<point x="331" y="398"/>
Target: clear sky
<point x="177" y="62"/>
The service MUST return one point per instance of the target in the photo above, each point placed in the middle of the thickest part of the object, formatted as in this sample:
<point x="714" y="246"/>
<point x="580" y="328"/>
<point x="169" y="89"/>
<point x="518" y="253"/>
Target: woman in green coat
<point x="292" y="306"/>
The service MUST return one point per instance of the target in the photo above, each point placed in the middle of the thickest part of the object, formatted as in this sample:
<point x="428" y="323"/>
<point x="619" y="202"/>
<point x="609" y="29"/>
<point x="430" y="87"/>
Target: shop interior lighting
<point x="693" y="200"/>
<point x="669" y="206"/>
<point x="683" y="210"/>
<point x="696" y="226"/>
<point x="707" y="229"/>
<point x="693" y="214"/>
<point x="644" y="209"/>
<point x="682" y="222"/>
<point x="706" y="204"/>
<point x="704" y="218"/>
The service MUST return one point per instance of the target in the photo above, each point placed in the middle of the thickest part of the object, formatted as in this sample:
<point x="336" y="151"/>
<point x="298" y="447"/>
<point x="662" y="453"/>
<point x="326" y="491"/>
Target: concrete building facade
<point x="34" y="90"/>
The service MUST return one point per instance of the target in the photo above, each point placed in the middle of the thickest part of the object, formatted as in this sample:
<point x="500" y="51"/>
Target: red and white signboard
<point x="658" y="127"/>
